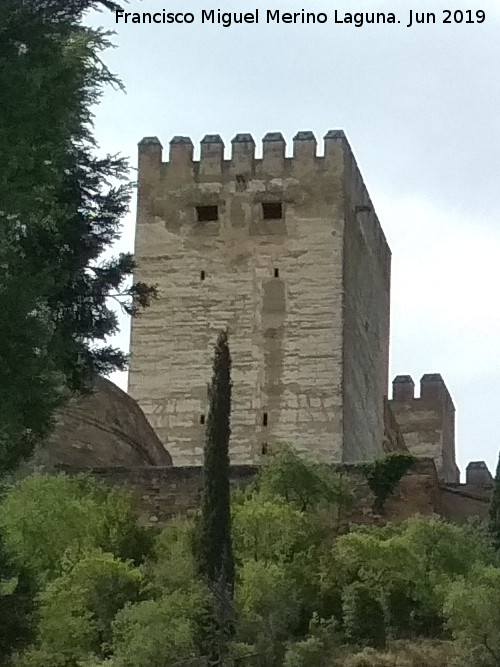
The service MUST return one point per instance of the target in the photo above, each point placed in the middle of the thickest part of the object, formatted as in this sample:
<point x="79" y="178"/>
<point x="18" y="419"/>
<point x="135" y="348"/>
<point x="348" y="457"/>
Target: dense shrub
<point x="155" y="633"/>
<point x="405" y="654"/>
<point x="96" y="609"/>
<point x="302" y="483"/>
<point x="77" y="609"/>
<point x="269" y="530"/>
<point x="44" y="516"/>
<point x="472" y="607"/>
<point x="268" y="608"/>
<point x="171" y="565"/>
<point x="17" y="606"/>
<point x="321" y="645"/>
<point x="363" y="616"/>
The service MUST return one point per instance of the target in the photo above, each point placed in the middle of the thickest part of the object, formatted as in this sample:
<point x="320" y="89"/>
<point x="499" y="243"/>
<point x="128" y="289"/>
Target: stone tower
<point x="427" y="423"/>
<point x="288" y="254"/>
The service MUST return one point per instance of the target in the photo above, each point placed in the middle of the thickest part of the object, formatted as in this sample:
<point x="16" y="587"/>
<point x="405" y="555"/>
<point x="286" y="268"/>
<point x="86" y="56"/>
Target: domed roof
<point x="105" y="428"/>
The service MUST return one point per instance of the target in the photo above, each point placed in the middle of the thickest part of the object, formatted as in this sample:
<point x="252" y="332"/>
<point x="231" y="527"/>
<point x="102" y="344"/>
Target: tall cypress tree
<point x="215" y="550"/>
<point x="494" y="524"/>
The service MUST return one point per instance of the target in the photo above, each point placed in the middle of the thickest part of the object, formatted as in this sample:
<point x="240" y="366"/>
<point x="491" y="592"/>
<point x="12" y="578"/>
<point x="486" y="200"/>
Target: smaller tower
<point x="427" y="423"/>
<point x="477" y="474"/>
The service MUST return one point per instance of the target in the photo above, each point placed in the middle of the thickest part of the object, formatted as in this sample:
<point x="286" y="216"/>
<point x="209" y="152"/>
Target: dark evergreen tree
<point x="494" y="524"/>
<point x="214" y="545"/>
<point x="17" y="606"/>
<point x="363" y="616"/>
<point x="60" y="208"/>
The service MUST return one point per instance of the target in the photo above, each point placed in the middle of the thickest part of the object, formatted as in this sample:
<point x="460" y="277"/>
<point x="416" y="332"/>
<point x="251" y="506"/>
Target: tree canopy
<point x="83" y="585"/>
<point x="61" y="206"/>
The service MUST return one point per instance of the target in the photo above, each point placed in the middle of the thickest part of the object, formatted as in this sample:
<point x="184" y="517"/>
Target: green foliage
<point x="472" y="607"/>
<point x="77" y="608"/>
<point x="239" y="651"/>
<point x="274" y="531"/>
<point x="322" y="644"/>
<point x="97" y="610"/>
<point x="304" y="484"/>
<point x="374" y="580"/>
<point x="494" y="523"/>
<point x="172" y="565"/>
<point x="155" y="633"/>
<point x="406" y="654"/>
<point x="16" y="606"/>
<point x="44" y="516"/>
<point x="269" y="526"/>
<point x="309" y="651"/>
<point x="443" y="552"/>
<point x="363" y="616"/>
<point x="270" y="530"/>
<point x="384" y="474"/>
<point x="268" y="608"/>
<point x="408" y="567"/>
<point x="61" y="208"/>
<point x="172" y="568"/>
<point x="403" y="610"/>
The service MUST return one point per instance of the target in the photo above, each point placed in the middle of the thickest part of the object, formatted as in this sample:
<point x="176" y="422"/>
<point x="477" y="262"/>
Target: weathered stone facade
<point x="162" y="493"/>
<point x="427" y="423"/>
<point x="288" y="254"/>
<point x="104" y="428"/>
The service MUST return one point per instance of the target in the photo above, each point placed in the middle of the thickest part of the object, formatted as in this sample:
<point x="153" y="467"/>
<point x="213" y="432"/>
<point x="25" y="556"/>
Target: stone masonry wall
<point x="162" y="493"/>
<point x="427" y="423"/>
<point x="393" y="438"/>
<point x="367" y="268"/>
<point x="278" y="285"/>
<point x="460" y="503"/>
<point x="106" y="428"/>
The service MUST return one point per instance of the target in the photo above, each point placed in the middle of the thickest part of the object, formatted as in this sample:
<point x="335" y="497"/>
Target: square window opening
<point x="272" y="210"/>
<point x="207" y="213"/>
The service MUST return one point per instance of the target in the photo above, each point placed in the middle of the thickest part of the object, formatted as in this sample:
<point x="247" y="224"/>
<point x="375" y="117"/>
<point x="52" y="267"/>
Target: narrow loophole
<point x="202" y="419"/>
<point x="263" y="448"/>
<point x="202" y="275"/>
<point x="276" y="273"/>
<point x="264" y="419"/>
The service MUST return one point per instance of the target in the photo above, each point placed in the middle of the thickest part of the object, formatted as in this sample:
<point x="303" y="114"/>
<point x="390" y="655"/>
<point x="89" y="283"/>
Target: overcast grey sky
<point x="420" y="107"/>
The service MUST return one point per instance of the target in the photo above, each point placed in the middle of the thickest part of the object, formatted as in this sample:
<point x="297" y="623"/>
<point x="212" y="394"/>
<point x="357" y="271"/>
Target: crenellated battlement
<point x="279" y="241"/>
<point x="273" y="162"/>
<point x="432" y="390"/>
<point x="329" y="174"/>
<point x="427" y="422"/>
